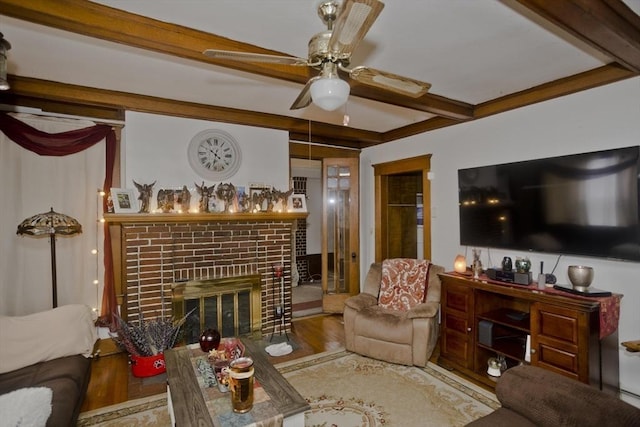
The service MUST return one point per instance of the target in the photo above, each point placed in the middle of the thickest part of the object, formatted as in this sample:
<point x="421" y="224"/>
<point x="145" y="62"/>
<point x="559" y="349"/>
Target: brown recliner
<point x="403" y="337"/>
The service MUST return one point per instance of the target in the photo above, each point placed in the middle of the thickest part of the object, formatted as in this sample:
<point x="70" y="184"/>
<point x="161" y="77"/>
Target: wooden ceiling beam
<point x="57" y="107"/>
<point x="114" y="25"/>
<point x="418" y="128"/>
<point x="609" y="26"/>
<point x="589" y="79"/>
<point x="58" y="94"/>
<point x="303" y="150"/>
<point x="544" y="92"/>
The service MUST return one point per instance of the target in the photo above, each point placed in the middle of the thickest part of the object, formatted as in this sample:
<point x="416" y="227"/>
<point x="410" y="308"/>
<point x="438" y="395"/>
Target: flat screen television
<point x="583" y="204"/>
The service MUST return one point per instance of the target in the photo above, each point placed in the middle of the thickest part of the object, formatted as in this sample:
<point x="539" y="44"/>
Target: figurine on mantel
<point x="206" y="193"/>
<point x="146" y="192"/>
<point x="226" y="193"/>
<point x="258" y="199"/>
<point x="477" y="264"/>
<point x="282" y="196"/>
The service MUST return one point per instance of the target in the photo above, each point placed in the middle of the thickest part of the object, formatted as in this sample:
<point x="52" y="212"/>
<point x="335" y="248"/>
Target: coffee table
<point x="186" y="402"/>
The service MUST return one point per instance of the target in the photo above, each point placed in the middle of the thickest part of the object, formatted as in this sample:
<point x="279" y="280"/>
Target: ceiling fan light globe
<point x="330" y="93"/>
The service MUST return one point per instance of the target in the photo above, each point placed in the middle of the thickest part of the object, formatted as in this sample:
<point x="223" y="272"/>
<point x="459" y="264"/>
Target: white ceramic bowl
<point x="580" y="276"/>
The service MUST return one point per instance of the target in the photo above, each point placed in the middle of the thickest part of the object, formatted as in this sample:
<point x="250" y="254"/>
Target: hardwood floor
<point x="111" y="380"/>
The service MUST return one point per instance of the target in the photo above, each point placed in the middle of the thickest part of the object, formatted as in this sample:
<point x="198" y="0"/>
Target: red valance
<point x="63" y="144"/>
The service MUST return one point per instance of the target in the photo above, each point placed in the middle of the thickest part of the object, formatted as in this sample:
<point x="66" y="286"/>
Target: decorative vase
<point x="507" y="264"/>
<point x="523" y="265"/>
<point x="209" y="340"/>
<point x="147" y="366"/>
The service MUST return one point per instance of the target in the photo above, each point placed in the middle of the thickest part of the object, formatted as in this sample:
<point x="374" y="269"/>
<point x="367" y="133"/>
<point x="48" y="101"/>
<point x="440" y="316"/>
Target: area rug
<point x="345" y="390"/>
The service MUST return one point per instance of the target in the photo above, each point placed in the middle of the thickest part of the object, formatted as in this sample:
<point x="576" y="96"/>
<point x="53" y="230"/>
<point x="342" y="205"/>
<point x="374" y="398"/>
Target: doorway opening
<point x="328" y="176"/>
<point x="402" y="196"/>
<point x="306" y="176"/>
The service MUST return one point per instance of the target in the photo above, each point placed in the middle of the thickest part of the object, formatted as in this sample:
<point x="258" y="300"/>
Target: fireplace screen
<point x="230" y="305"/>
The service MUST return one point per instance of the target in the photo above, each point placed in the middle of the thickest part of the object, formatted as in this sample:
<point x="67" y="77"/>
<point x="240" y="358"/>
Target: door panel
<point x="340" y="235"/>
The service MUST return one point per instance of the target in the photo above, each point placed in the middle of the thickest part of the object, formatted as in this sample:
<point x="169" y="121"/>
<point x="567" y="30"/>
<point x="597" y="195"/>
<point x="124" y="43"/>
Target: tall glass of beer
<point x="241" y="384"/>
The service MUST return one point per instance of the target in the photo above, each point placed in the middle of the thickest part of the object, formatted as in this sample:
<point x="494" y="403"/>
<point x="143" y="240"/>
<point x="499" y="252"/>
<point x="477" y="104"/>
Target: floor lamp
<point x="51" y="223"/>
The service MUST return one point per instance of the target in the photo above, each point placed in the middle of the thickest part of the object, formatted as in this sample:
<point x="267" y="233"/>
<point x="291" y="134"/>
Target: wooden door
<point x="340" y="233"/>
<point x="457" y="337"/>
<point x="556" y="340"/>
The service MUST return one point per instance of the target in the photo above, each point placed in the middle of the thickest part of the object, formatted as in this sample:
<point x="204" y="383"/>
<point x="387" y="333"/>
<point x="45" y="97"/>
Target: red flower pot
<point x="147" y="366"/>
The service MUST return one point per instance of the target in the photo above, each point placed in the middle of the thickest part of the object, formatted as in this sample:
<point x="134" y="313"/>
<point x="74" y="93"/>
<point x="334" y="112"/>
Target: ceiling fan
<point x="330" y="51"/>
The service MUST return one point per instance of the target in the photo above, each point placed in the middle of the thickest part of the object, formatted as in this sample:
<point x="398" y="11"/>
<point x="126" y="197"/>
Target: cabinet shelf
<point x="512" y="347"/>
<point x="507" y="317"/>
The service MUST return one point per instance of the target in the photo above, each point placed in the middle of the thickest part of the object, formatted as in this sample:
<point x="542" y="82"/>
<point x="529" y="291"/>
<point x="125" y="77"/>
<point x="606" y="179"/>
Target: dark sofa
<point x="49" y="349"/>
<point x="532" y="396"/>
<point x="68" y="378"/>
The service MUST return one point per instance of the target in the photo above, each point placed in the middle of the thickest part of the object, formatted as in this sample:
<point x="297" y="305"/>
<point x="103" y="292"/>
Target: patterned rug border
<point x="313" y="359"/>
<point x="461" y="384"/>
<point x="123" y="409"/>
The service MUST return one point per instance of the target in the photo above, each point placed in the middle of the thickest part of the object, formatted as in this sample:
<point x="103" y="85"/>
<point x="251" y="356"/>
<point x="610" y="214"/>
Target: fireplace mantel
<point x="145" y="218"/>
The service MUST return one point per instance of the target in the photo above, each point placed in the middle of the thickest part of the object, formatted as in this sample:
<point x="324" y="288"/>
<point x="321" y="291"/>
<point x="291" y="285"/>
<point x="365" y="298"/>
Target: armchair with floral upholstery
<point x="395" y="317"/>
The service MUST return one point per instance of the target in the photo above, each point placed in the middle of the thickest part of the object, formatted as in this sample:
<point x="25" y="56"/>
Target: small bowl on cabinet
<point x="580" y="276"/>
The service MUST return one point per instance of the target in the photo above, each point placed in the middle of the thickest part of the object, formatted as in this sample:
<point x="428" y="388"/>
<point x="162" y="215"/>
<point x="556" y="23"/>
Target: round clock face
<point x="214" y="155"/>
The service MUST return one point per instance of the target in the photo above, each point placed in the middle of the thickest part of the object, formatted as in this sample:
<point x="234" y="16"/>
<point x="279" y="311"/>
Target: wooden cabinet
<point x="481" y="320"/>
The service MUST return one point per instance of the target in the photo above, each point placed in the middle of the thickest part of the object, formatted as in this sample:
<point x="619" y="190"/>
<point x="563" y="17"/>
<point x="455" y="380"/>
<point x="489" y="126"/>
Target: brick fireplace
<point x="153" y="252"/>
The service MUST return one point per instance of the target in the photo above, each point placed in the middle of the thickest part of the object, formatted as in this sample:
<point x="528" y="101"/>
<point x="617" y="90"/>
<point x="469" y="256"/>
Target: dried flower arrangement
<point x="148" y="338"/>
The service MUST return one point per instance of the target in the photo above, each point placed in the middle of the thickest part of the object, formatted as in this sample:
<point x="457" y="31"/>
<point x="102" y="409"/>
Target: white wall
<point x="155" y="149"/>
<point x="602" y="118"/>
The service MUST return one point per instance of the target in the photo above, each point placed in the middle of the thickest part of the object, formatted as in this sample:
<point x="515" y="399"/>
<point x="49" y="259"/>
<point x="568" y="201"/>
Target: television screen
<point x="584" y="204"/>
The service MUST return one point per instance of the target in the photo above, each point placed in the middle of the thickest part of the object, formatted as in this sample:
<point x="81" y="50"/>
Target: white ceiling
<point x="471" y="51"/>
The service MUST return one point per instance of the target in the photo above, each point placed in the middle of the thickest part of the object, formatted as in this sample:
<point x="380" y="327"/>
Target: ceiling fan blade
<point x="352" y="25"/>
<point x="389" y="81"/>
<point x="304" y="98"/>
<point x="254" y="57"/>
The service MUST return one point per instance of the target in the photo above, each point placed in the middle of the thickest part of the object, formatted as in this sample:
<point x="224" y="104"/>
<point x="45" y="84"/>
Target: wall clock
<point x="214" y="155"/>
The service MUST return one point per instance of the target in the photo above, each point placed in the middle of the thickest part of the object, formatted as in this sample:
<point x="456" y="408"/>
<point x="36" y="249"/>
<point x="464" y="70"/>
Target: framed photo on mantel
<point x="297" y="203"/>
<point x="124" y="200"/>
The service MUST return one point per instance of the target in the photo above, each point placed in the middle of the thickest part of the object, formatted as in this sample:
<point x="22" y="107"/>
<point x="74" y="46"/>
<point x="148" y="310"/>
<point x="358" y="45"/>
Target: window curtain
<point x="68" y="182"/>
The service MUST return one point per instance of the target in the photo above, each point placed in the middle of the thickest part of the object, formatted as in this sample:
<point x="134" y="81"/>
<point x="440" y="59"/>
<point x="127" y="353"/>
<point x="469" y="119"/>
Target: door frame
<point x="312" y="151"/>
<point x="381" y="172"/>
<point x="333" y="302"/>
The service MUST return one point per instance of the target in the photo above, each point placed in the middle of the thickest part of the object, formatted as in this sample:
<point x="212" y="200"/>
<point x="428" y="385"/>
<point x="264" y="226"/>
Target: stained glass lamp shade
<point x="50" y="223"/>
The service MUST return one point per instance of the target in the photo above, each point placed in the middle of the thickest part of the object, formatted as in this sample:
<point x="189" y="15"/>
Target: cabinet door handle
<point x="469" y="329"/>
<point x="533" y="351"/>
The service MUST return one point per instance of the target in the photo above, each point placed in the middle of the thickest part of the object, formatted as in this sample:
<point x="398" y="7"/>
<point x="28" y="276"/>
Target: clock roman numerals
<point x="214" y="154"/>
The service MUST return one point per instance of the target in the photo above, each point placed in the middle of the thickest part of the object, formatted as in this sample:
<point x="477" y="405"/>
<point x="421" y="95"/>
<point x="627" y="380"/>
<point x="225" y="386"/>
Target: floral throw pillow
<point x="404" y="283"/>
